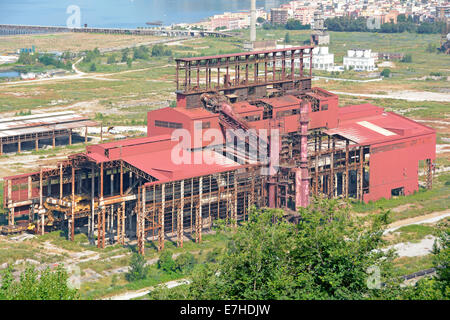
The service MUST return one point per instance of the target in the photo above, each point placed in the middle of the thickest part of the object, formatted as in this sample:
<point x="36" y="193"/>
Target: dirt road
<point x="429" y="218"/>
<point x="145" y="291"/>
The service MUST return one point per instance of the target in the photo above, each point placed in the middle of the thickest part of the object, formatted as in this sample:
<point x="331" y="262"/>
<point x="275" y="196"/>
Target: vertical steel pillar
<point x="304" y="120"/>
<point x="235" y="206"/>
<point x="10" y="204"/>
<point x="111" y="187"/>
<point x="41" y="208"/>
<point x="122" y="224"/>
<point x="30" y="188"/>
<point x="429" y="169"/>
<point x="92" y="216"/>
<point x="198" y="211"/>
<point x="361" y="173"/>
<point x="72" y="224"/>
<point x="319" y="139"/>
<point x="332" y="178"/>
<point x="141" y="223"/>
<point x="180" y="217"/>
<point x="12" y="214"/>
<point x="161" y="218"/>
<point x="177" y="77"/>
<point x="346" y="182"/>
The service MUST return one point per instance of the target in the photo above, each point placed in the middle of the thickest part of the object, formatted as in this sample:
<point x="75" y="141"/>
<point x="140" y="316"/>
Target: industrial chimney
<point x="253" y="21"/>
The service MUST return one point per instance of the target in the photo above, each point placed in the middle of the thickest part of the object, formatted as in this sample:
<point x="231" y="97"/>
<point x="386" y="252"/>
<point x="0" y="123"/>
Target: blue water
<point x="9" y="74"/>
<point x="120" y="13"/>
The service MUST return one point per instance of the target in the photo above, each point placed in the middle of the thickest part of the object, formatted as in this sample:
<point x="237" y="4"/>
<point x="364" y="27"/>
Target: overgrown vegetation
<point x="138" y="270"/>
<point x="33" y="285"/>
<point x="328" y="255"/>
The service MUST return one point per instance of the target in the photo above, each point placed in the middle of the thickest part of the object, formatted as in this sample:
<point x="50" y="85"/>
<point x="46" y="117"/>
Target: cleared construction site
<point x="249" y="130"/>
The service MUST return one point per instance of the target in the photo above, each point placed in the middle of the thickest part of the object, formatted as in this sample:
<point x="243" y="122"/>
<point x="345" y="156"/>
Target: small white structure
<point x="321" y="59"/>
<point x="359" y="60"/>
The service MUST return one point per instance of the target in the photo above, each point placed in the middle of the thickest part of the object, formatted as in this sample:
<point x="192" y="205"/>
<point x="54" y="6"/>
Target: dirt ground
<point x="74" y="42"/>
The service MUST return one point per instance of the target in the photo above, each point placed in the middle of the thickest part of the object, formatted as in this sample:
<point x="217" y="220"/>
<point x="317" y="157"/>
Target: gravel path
<point x="411" y="249"/>
<point x="429" y="218"/>
<point x="143" y="292"/>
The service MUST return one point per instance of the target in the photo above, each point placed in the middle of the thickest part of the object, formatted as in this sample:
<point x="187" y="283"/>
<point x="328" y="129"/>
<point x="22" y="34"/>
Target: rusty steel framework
<point x="243" y="74"/>
<point x="195" y="74"/>
<point x="176" y="209"/>
<point x="121" y="201"/>
<point x="34" y="128"/>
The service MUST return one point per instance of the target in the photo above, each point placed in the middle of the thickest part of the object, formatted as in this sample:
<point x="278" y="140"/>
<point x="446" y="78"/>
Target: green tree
<point x="255" y="265"/>
<point x="125" y="54"/>
<point x="27" y="58"/>
<point x="111" y="59"/>
<point x="287" y="38"/>
<point x="326" y="256"/>
<point x="160" y="50"/>
<point x="46" y="285"/>
<point x="138" y="270"/>
<point x="386" y="73"/>
<point x="185" y="262"/>
<point x="441" y="260"/>
<point x="407" y="58"/>
<point x="129" y="62"/>
<point x="293" y="24"/>
<point x="166" y="262"/>
<point x="260" y="20"/>
<point x="93" y="67"/>
<point x="214" y="255"/>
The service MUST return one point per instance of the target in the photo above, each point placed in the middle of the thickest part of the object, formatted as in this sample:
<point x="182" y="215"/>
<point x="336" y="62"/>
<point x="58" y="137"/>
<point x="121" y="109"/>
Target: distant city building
<point x="360" y="60"/>
<point x="319" y="35"/>
<point x="442" y="12"/>
<point x="278" y="16"/>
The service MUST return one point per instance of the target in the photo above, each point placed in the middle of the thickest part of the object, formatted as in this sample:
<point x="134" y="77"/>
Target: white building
<point x="360" y="60"/>
<point x="321" y="59"/>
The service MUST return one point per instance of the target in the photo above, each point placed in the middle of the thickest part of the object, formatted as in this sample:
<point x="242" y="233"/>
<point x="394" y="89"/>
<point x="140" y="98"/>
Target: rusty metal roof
<point x="369" y="129"/>
<point x="161" y="165"/>
<point x="40" y="123"/>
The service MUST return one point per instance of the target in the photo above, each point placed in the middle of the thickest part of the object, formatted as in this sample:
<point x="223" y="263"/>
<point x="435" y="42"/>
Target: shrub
<point x="185" y="262"/>
<point x="386" y="73"/>
<point x="166" y="262"/>
<point x="138" y="270"/>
